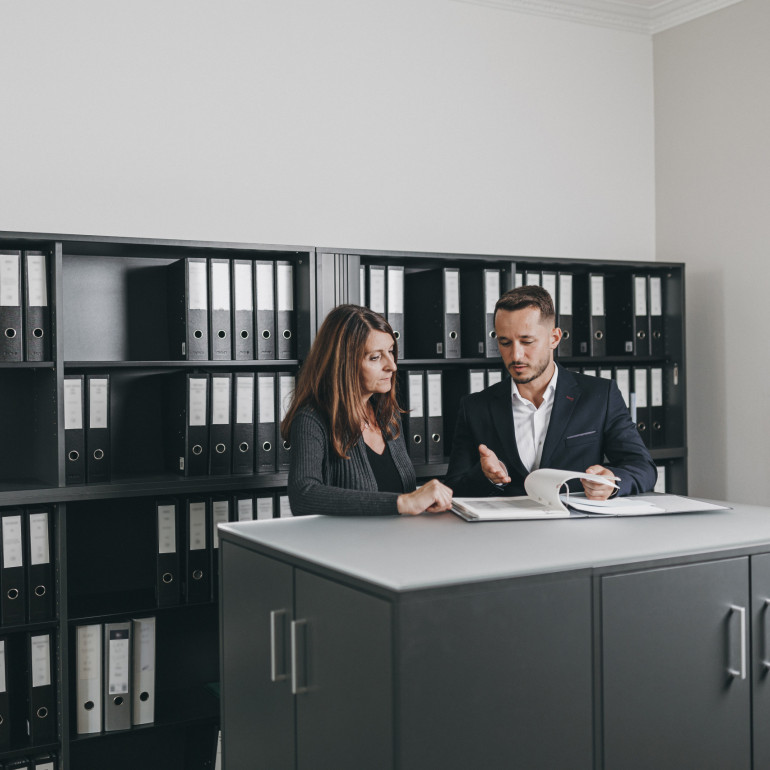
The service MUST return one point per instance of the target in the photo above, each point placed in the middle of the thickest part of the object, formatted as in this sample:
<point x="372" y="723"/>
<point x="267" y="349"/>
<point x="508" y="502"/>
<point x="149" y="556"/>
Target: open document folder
<point x="545" y="500"/>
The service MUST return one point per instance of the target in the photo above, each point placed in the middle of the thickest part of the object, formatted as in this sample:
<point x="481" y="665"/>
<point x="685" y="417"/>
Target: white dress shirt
<point x="531" y="423"/>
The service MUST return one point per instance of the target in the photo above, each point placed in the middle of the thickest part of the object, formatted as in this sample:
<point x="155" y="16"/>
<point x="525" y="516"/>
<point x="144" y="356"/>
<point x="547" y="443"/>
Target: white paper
<point x="166" y="529"/>
<point x="40" y="656"/>
<point x="39" y="547"/>
<point x="415" y="395"/>
<point x="285" y="286"/>
<point x="220" y="285"/>
<point x="395" y="290"/>
<point x="265" y="299"/>
<point x="197" y="414"/>
<point x="597" y="295"/>
<point x="617" y="506"/>
<point x="434" y="395"/>
<point x="491" y="290"/>
<point x="266" y="394"/>
<point x="37" y="290"/>
<point x="245" y="509"/>
<point x="73" y="404"/>
<point x="244" y="399"/>
<point x="220" y="400"/>
<point x="197" y="286"/>
<point x="197" y="521"/>
<point x="242" y="289"/>
<point x="377" y="289"/>
<point x="640" y="295"/>
<point x="9" y="280"/>
<point x="98" y="389"/>
<point x="13" y="553"/>
<point x="565" y="294"/>
<point x="452" y="290"/>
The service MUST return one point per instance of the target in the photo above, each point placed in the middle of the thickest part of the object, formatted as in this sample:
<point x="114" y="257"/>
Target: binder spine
<point x="434" y="427"/>
<point x="37" y="318"/>
<point x="117" y="676"/>
<point x="243" y="309"/>
<point x="564" y="314"/>
<point x="188" y="312"/>
<point x="266" y="423"/>
<point x="41" y="716"/>
<point x="220" y="332"/>
<point x="74" y="435"/>
<point x="285" y="393"/>
<point x="197" y="573"/>
<point x="40" y="571"/>
<point x="395" y="304"/>
<point x="5" y="701"/>
<point x="286" y="341"/>
<point x="168" y="575"/>
<point x="12" y="583"/>
<point x="264" y="310"/>
<point x="220" y="421"/>
<point x="143" y="671"/>
<point x="88" y="688"/>
<point x="11" y="347"/>
<point x="243" y="423"/>
<point x="98" y="449"/>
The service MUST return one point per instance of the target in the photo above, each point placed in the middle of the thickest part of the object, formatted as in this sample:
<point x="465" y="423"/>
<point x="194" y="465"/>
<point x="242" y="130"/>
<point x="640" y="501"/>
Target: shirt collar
<point x="549" y="390"/>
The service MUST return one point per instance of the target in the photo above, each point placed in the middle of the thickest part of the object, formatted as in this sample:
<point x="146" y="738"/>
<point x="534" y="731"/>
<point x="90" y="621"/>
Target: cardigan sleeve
<point x="309" y="490"/>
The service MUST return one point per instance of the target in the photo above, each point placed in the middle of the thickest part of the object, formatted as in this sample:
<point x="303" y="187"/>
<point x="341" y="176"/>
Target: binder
<point x="220" y="317"/>
<point x="40" y="574"/>
<point x="98" y="447"/>
<point x="220" y="422"/>
<point x="243" y="510"/>
<point x="641" y="316"/>
<point x="197" y="572"/>
<point x="433" y="308"/>
<point x="605" y="374"/>
<point x="74" y="435"/>
<point x="188" y="431"/>
<point x="657" y="419"/>
<point x="243" y="423"/>
<point x="12" y="581"/>
<point x="264" y="310"/>
<point x="642" y="403"/>
<point x="284" y="509"/>
<point x="17" y="764"/>
<point x="627" y="319"/>
<point x="285" y="392"/>
<point x="242" y="284"/>
<point x="623" y="381"/>
<point x="564" y="314"/>
<point x="5" y="700"/>
<point x="10" y="306"/>
<point x="376" y="289"/>
<point x="168" y="576"/>
<point x="657" y="341"/>
<point x="116" y="679"/>
<point x="531" y="278"/>
<point x="590" y="372"/>
<point x="481" y="290"/>
<point x="265" y="506"/>
<point x="476" y="380"/>
<point x="434" y="426"/>
<point x="660" y="484"/>
<point x="413" y="420"/>
<point x="549" y="281"/>
<point x="37" y="315"/>
<point x="88" y="688"/>
<point x="44" y="763"/>
<point x="188" y="309"/>
<point x="266" y="423"/>
<point x="143" y="674"/>
<point x="591" y="315"/>
<point x="362" y="284"/>
<point x="494" y="376"/>
<point x="395" y="305"/>
<point x="220" y="514"/>
<point x="286" y="341"/>
<point x="41" y="718"/>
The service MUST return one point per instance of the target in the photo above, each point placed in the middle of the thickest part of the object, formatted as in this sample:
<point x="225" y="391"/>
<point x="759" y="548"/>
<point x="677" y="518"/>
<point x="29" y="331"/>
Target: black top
<point x="385" y="472"/>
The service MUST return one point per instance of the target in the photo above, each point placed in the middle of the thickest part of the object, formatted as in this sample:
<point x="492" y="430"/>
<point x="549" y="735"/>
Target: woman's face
<point x="379" y="365"/>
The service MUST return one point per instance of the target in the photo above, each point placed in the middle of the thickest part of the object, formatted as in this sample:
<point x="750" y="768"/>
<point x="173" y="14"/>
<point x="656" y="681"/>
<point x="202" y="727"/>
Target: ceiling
<point x="643" y="16"/>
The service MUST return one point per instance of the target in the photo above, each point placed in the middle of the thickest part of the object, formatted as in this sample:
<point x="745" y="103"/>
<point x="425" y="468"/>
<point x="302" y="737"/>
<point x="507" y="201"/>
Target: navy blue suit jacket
<point x="590" y="425"/>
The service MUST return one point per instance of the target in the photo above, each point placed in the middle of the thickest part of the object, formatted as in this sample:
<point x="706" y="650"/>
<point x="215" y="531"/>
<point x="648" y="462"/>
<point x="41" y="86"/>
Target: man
<point x="544" y="417"/>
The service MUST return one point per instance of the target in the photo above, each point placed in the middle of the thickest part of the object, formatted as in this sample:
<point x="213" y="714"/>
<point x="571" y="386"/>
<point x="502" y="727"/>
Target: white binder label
<point x="415" y="395"/>
<point x="37" y="292"/>
<point x="264" y="507"/>
<point x="197" y="414"/>
<point x="434" y="395"/>
<point x="3" y="685"/>
<point x="39" y="547"/>
<point x="597" y="295"/>
<point x="640" y="295"/>
<point x="452" y="290"/>
<point x="119" y="657"/>
<point x="660" y="484"/>
<point x="287" y="390"/>
<point x="13" y="555"/>
<point x="197" y="526"/>
<point x="197" y="299"/>
<point x="40" y="660"/>
<point x="395" y="290"/>
<point x="89" y="655"/>
<point x="97" y="402"/>
<point x="491" y="290"/>
<point x="265" y="287"/>
<point x="565" y="294"/>
<point x="266" y="399"/>
<point x="244" y="399"/>
<point x="656" y="386"/>
<point x="623" y="379"/>
<point x="476" y="382"/>
<point x="531" y="279"/>
<point x="9" y="280"/>
<point x="640" y="387"/>
<point x="245" y="509"/>
<point x="220" y="285"/>
<point x="285" y="287"/>
<point x="220" y="514"/>
<point x="362" y="283"/>
<point x="285" y="508"/>
<point x="493" y="377"/>
<point x="220" y="400"/>
<point x="377" y="289"/>
<point x="549" y="284"/>
<point x="518" y="280"/>
<point x="73" y="404"/>
<point x="166" y="529"/>
<point x="146" y="643"/>
<point x="244" y="294"/>
<point x="656" y="296"/>
<point x="605" y="374"/>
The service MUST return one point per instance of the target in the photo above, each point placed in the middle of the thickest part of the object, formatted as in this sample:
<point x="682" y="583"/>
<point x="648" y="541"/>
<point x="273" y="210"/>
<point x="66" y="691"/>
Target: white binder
<point x="143" y="696"/>
<point x="89" y="679"/>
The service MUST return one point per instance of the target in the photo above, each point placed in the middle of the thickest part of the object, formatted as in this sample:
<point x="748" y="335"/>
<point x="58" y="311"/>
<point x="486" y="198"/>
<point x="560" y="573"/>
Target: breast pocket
<point x="578" y="439"/>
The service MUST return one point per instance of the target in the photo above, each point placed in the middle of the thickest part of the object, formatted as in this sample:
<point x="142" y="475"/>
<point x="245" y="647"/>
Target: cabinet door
<point x="676" y="692"/>
<point x="257" y="704"/>
<point x="760" y="659"/>
<point x="342" y="650"/>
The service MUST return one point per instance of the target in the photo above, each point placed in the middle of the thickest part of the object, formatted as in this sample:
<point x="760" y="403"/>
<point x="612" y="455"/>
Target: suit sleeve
<point x="628" y="457"/>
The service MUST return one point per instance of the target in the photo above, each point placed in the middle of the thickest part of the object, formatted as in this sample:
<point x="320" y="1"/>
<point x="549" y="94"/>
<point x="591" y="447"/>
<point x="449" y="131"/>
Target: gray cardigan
<point x="322" y="482"/>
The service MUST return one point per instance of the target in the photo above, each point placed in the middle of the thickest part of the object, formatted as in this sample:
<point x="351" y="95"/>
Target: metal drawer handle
<point x="296" y="625"/>
<point x="276" y="617"/>
<point x="765" y="663"/>
<point x="740" y="673"/>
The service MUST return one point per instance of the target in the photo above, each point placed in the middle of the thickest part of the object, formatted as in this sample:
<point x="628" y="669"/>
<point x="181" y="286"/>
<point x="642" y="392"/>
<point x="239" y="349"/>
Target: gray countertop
<point x="403" y="553"/>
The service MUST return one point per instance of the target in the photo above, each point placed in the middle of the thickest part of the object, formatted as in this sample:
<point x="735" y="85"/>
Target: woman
<point x="348" y="456"/>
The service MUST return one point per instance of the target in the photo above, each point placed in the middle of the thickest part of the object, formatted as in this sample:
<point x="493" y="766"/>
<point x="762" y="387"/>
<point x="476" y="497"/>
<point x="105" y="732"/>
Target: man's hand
<point x="593" y="489"/>
<point x="492" y="468"/>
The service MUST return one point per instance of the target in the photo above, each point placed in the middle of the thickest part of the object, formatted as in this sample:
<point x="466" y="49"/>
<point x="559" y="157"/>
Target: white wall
<point x="405" y="124"/>
<point x="712" y="105"/>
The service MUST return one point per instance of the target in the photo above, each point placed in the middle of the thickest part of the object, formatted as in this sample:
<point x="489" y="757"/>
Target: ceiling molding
<point x="642" y="16"/>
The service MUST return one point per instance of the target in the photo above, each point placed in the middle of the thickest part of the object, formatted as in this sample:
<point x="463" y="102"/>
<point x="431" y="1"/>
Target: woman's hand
<point x="431" y="497"/>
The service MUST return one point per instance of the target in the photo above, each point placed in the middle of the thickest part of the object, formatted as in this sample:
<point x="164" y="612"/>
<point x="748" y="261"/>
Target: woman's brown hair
<point x="330" y="379"/>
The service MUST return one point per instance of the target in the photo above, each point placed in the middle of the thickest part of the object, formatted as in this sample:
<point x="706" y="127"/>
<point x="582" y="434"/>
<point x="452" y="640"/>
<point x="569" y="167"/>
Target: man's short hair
<point x="528" y="296"/>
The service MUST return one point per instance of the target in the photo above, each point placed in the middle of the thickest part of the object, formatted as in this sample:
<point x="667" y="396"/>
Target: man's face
<point x="526" y="343"/>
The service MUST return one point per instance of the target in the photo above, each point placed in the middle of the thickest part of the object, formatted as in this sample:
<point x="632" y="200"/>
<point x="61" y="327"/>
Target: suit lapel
<point x="501" y="413"/>
<point x="564" y="402"/>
